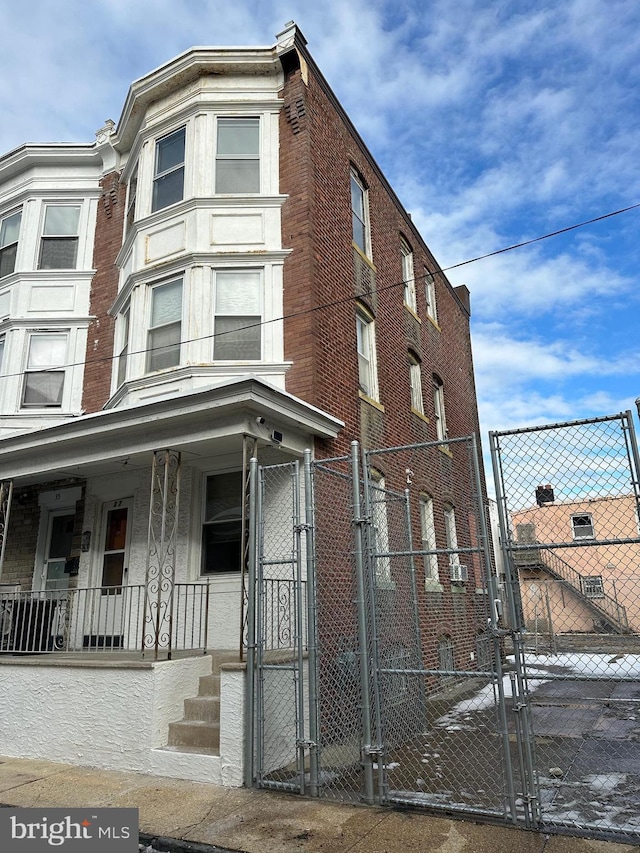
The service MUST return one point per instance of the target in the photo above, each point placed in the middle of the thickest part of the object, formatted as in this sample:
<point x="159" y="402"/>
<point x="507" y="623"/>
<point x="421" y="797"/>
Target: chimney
<point x="544" y="495"/>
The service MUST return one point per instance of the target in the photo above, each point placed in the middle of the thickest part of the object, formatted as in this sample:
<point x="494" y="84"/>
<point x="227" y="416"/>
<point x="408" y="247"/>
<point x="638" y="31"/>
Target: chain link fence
<point x="569" y="514"/>
<point x="398" y="663"/>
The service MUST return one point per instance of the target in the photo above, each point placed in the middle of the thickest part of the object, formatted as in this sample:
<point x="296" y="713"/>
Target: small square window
<point x="582" y="526"/>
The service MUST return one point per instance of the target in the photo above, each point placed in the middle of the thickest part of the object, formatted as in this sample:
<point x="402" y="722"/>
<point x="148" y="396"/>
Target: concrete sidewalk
<point x="266" y="822"/>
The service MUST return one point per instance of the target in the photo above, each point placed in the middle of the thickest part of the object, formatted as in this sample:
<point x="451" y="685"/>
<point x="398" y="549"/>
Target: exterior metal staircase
<point x="608" y="611"/>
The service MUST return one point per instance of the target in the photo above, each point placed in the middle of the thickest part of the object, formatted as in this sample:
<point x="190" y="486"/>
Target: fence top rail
<point x="580" y="543"/>
<point x="542" y="427"/>
<point x="464" y="439"/>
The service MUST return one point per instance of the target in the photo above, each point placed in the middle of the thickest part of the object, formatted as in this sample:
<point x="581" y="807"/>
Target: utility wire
<point x="341" y="301"/>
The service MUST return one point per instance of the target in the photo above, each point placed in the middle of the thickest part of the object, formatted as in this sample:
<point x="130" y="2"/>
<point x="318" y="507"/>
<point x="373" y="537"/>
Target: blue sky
<point x="495" y="121"/>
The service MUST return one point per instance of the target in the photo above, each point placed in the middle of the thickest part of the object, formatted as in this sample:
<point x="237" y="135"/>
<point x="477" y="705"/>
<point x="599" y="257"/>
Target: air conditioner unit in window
<point x="458" y="573"/>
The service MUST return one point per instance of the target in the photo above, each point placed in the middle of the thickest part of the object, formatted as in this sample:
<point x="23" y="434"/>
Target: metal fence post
<point x="250" y="710"/>
<point x="363" y="634"/>
<point x="312" y="628"/>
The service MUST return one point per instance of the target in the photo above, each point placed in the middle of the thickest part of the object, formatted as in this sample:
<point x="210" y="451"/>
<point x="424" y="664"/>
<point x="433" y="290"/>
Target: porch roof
<point x="203" y="424"/>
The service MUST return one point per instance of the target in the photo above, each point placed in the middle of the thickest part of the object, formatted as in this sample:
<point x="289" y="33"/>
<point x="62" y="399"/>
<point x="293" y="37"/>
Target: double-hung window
<point x="45" y="370"/>
<point x="380" y="524"/>
<point x="165" y="326"/>
<point x="430" y="295"/>
<point x="238" y="155"/>
<point x="582" y="526"/>
<point x="132" y="193"/>
<point x="59" y="243"/>
<point x="428" y="534"/>
<point x="168" y="180"/>
<point x="438" y="407"/>
<point x="458" y="572"/>
<point x="9" y="233"/>
<point x="415" y="378"/>
<point x="359" y="214"/>
<point x="123" y="351"/>
<point x="366" y="344"/>
<point x="238" y="316"/>
<point x="222" y="524"/>
<point x="406" y="254"/>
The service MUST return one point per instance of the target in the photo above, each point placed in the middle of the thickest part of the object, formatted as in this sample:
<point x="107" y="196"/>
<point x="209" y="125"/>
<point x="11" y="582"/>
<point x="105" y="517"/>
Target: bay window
<point x="59" y="242"/>
<point x="165" y="326"/>
<point x="238" y="155"/>
<point x="238" y="315"/>
<point x="9" y="232"/>
<point x="45" y="370"/>
<point x="168" y="180"/>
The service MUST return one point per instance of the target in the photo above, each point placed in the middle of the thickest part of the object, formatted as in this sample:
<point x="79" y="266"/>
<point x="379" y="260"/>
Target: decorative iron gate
<point x="392" y="661"/>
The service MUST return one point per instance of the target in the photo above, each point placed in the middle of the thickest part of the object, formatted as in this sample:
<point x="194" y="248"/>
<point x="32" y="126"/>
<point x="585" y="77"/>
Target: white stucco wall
<point x="102" y="715"/>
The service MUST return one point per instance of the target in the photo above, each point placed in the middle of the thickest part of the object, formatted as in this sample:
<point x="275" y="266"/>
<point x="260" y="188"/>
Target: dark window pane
<point x="238" y="137"/>
<point x="222" y="529"/>
<point x="61" y="536"/>
<point x="170" y="151"/>
<point x="43" y="389"/>
<point x="8" y="259"/>
<point x="116" y="530"/>
<point x="113" y="569"/>
<point x="58" y="253"/>
<point x="168" y="189"/>
<point x="238" y="176"/>
<point x="237" y="339"/>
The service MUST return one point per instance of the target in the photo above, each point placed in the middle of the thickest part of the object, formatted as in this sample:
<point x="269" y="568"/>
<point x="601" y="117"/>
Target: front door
<point x="58" y="550"/>
<point x="112" y="610"/>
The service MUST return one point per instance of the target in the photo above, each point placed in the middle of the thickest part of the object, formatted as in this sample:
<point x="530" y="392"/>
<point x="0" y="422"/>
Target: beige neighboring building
<point x="586" y="574"/>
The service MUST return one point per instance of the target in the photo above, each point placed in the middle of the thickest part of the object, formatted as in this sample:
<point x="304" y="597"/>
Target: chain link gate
<point x="377" y="675"/>
<point x="568" y="500"/>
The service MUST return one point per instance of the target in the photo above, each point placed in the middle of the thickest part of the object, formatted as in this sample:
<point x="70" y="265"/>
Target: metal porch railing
<point x="100" y="619"/>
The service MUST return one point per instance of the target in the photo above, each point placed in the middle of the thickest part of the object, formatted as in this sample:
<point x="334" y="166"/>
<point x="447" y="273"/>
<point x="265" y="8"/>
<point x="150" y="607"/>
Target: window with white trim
<point x="44" y="375"/>
<point x="428" y="535"/>
<point x="238" y="315"/>
<point x="366" y="344"/>
<point x="582" y="526"/>
<point x="222" y="524"/>
<point x="438" y="408"/>
<point x="165" y="326"/>
<point x="360" y="214"/>
<point x="132" y="192"/>
<point x="430" y="295"/>
<point x="380" y="526"/>
<point x="168" y="175"/>
<point x="406" y="253"/>
<point x="415" y="379"/>
<point x="238" y="155"/>
<point x="59" y="241"/>
<point x="9" y="233"/>
<point x="2" y="342"/>
<point x="123" y="351"/>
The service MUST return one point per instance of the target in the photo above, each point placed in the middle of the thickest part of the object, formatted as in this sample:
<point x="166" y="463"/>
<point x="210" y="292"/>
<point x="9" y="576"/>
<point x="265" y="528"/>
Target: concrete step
<point x="209" y="685"/>
<point x="205" y="708"/>
<point x="195" y="733"/>
<point x="221" y="656"/>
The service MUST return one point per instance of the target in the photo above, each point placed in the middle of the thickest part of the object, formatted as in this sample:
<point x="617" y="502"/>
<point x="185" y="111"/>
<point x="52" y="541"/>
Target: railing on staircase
<point x="604" y="605"/>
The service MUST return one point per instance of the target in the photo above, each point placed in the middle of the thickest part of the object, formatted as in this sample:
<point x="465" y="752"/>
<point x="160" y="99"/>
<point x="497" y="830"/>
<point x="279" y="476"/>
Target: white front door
<point x="58" y="550"/>
<point x="111" y="605"/>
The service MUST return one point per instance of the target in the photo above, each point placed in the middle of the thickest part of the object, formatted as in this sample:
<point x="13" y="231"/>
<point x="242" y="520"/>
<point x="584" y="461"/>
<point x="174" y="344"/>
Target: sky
<point x="496" y="121"/>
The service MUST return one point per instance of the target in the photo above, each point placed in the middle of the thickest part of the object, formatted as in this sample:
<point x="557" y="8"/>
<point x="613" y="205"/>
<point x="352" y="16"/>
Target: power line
<point x="341" y="301"/>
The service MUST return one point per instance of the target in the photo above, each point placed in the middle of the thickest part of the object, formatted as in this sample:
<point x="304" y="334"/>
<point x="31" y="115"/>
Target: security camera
<point x="260" y="421"/>
<point x="276" y="437"/>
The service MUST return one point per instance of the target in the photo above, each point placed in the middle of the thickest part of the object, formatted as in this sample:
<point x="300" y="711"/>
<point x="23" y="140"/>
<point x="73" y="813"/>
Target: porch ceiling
<point x="201" y="425"/>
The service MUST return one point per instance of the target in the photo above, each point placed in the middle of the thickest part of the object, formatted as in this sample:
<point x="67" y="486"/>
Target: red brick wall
<point x="104" y="289"/>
